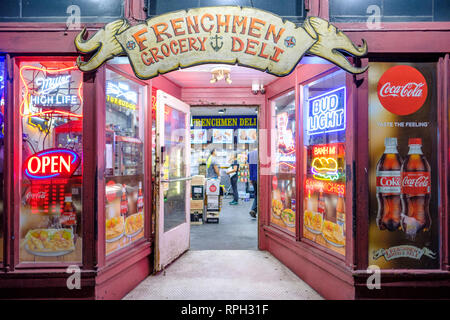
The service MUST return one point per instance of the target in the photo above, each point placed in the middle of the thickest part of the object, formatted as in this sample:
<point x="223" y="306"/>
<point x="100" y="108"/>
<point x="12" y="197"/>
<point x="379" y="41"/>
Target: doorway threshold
<point x="224" y="275"/>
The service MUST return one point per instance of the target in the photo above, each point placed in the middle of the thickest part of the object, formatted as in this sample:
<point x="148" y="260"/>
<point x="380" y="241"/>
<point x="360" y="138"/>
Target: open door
<point x="173" y="181"/>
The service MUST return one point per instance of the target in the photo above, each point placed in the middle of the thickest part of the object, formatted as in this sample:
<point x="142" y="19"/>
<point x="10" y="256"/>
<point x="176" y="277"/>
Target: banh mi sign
<point x="227" y="34"/>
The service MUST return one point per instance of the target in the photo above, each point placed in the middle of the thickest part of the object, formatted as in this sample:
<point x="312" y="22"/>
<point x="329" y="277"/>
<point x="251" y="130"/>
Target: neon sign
<point x="2" y="81"/>
<point x="326" y="112"/>
<point x="324" y="165"/>
<point x="325" y="186"/>
<point x="115" y="91"/>
<point x="325" y="169"/>
<point x="52" y="163"/>
<point x="46" y="95"/>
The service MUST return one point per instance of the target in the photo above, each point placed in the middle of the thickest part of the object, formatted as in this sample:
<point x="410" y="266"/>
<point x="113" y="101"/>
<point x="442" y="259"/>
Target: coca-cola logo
<point x="414" y="183"/>
<point x="35" y="196"/>
<point x="402" y="90"/>
<point x="417" y="182"/>
<point x="390" y="181"/>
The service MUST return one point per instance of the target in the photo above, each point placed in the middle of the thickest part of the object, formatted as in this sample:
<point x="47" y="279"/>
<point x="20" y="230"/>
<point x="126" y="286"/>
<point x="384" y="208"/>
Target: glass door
<point x="173" y="179"/>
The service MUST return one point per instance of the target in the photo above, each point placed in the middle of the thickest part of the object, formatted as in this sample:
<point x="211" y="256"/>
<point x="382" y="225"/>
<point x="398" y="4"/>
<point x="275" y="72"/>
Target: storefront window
<point x="389" y="11"/>
<point x="324" y="109"/>
<point x="124" y="162"/>
<point x="2" y="145"/>
<point x="51" y="110"/>
<point x="284" y="162"/>
<point x="293" y="10"/>
<point x="61" y="10"/>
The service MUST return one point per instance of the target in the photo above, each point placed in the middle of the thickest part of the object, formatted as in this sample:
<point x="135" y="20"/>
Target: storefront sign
<point x="227" y="34"/>
<point x="226" y="122"/>
<point x="51" y="163"/>
<point x="326" y="112"/>
<point x="403" y="166"/>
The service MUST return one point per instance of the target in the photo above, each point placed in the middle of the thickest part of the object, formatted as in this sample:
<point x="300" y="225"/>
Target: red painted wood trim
<point x="405" y="41"/>
<point x="352" y="163"/>
<point x="443" y="112"/>
<point x="446" y="151"/>
<point x="100" y="115"/>
<point x="124" y="261"/>
<point x="16" y="153"/>
<point x="89" y="167"/>
<point x="360" y="244"/>
<point x="299" y="159"/>
<point x="394" y="26"/>
<point x="8" y="164"/>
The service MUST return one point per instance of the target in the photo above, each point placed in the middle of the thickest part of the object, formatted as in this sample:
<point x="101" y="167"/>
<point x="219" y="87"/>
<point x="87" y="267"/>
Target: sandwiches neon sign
<point x="326" y="112"/>
<point x="52" y="163"/>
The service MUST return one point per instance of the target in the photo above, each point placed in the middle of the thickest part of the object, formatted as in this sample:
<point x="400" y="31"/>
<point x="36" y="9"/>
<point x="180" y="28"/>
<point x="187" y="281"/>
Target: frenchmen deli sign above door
<point x="232" y="35"/>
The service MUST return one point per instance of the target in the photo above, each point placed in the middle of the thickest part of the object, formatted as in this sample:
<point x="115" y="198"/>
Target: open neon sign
<point x="52" y="163"/>
<point x="326" y="112"/>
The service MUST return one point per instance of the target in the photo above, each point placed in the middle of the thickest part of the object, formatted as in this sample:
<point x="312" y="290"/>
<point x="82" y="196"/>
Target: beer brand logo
<point x="402" y="90"/>
<point x="389" y="182"/>
<point x="415" y="183"/>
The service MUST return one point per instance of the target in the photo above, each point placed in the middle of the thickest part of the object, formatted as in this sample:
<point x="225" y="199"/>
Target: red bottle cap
<point x="414" y="141"/>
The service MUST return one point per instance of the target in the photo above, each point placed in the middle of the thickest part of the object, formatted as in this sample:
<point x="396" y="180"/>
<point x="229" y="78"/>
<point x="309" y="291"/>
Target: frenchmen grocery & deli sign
<point x="229" y="34"/>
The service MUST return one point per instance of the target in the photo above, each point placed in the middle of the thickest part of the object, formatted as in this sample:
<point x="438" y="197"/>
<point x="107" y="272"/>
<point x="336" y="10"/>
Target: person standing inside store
<point x="212" y="169"/>
<point x="234" y="179"/>
<point x="253" y="166"/>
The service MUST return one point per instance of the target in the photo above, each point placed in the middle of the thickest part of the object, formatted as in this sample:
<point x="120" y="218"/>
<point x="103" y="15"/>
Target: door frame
<point x="259" y="130"/>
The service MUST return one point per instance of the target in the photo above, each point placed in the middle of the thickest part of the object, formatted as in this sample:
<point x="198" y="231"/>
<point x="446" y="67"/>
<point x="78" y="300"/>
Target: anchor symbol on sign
<point x="216" y="47"/>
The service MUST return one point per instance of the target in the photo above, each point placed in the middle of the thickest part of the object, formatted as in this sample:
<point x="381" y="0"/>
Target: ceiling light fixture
<point x="258" y="88"/>
<point x="220" y="73"/>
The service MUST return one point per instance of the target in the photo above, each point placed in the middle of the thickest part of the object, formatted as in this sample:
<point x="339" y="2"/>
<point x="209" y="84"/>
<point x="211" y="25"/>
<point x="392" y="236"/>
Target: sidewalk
<point x="224" y="275"/>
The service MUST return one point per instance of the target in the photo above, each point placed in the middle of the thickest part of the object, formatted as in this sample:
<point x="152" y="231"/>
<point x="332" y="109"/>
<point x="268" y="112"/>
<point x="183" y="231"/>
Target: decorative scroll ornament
<point x="233" y="35"/>
<point x="404" y="251"/>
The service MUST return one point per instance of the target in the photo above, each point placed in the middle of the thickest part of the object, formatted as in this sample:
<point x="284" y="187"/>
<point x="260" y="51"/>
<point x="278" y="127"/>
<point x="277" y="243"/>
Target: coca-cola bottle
<point x="124" y="203"/>
<point x="388" y="174"/>
<point x="140" y="199"/>
<point x="416" y="190"/>
<point x="321" y="207"/>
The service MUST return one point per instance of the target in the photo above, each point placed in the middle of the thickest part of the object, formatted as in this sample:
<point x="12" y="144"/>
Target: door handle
<point x="177" y="179"/>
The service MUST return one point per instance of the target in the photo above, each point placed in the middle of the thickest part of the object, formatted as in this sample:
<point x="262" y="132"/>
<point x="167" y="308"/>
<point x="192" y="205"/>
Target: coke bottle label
<point x="389" y="182"/>
<point x="415" y="183"/>
<point x="68" y="218"/>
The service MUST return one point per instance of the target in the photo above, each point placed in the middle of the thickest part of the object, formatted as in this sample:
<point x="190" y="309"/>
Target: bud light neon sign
<point x="52" y="163"/>
<point x="326" y="113"/>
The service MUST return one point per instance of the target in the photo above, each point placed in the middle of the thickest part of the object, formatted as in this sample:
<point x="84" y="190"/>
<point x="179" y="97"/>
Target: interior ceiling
<point x="229" y="111"/>
<point x="199" y="77"/>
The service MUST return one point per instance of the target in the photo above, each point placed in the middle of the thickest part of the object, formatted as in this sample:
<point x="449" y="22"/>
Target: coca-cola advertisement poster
<point x="403" y="176"/>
